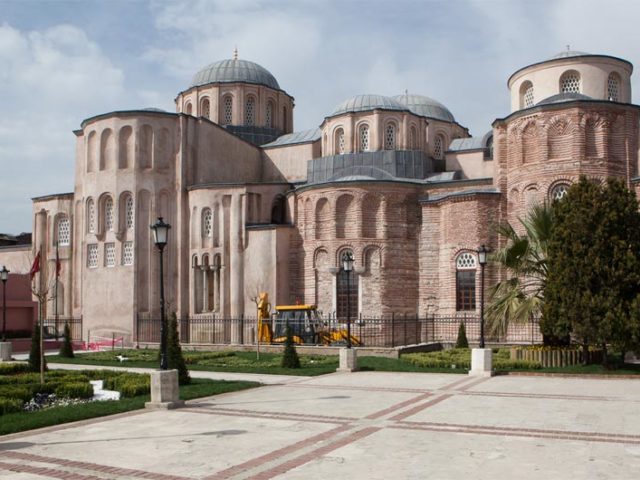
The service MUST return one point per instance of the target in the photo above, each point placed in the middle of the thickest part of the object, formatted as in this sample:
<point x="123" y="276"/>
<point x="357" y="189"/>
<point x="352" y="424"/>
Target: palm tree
<point x="520" y="296"/>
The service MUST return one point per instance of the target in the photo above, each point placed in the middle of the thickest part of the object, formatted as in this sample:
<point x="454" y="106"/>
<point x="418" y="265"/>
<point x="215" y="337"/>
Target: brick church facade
<point x="255" y="206"/>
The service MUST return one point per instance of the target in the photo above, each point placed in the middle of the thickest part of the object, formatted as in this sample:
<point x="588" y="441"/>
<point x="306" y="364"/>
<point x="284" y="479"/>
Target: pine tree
<point x="175" y="360"/>
<point x="290" y="357"/>
<point x="66" y="349"/>
<point x="462" y="341"/>
<point x="34" y="353"/>
<point x="594" y="266"/>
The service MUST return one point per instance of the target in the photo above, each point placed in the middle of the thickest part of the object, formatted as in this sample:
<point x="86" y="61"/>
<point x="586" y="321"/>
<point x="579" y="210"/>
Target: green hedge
<point x="74" y="390"/>
<point x="129" y="384"/>
<point x="10" y="405"/>
<point x="13" y="368"/>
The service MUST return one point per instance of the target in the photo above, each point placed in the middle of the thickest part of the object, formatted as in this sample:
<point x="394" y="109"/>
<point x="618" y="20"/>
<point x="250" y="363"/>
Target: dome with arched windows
<point x="425" y="107"/>
<point x="235" y="71"/>
<point x="364" y="103"/>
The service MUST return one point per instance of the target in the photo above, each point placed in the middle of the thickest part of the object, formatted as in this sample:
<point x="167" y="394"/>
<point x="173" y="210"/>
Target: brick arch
<point x="371" y="280"/>
<point x="560" y="137"/>
<point x="345" y="215"/>
<point x="323" y="219"/>
<point x="530" y="141"/>
<point x="371" y="213"/>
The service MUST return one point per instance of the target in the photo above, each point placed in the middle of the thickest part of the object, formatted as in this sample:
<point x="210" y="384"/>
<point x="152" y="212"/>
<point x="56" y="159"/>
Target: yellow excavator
<point x="303" y="320"/>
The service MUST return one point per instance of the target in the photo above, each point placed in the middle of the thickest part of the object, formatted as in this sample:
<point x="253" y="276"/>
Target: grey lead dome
<point x="425" y="107"/>
<point x="363" y="103"/>
<point x="231" y="71"/>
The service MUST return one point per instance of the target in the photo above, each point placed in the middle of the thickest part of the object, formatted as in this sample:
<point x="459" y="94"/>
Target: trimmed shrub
<point x="66" y="349"/>
<point x="74" y="390"/>
<point x="290" y="357"/>
<point x="17" y="392"/>
<point x="10" y="405"/>
<point x="133" y="388"/>
<point x="129" y="384"/>
<point x="461" y="341"/>
<point x="175" y="360"/>
<point x="13" y="368"/>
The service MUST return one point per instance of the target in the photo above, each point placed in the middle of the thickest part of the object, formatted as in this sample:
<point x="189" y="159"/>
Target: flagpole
<point x="55" y="305"/>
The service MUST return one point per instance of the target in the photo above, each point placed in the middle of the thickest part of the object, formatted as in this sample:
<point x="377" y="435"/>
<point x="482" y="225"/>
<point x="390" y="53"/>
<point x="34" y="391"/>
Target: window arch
<point x="207" y="223"/>
<point x="347" y="286"/>
<point x="108" y="214"/>
<point x="128" y="212"/>
<point x="363" y="137"/>
<point x="570" y="82"/>
<point x="250" y="111"/>
<point x="63" y="231"/>
<point x="412" y="138"/>
<point x="339" y="141"/>
<point x="526" y="94"/>
<point x="189" y="108"/>
<point x="438" y="147"/>
<point x="91" y="216"/>
<point x="466" y="281"/>
<point x="268" y="115"/>
<point x="613" y="87"/>
<point x="227" y="114"/>
<point x="390" y="137"/>
<point x="488" y="149"/>
<point x="558" y="191"/>
<point x="205" y="108"/>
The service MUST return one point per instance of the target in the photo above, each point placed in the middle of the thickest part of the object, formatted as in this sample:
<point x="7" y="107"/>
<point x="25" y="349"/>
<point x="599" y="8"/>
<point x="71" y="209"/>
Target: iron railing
<point x="388" y="331"/>
<point x="54" y="327"/>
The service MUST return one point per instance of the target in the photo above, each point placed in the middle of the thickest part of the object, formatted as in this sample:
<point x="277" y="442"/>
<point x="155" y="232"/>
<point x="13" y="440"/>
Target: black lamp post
<point x="347" y="266"/>
<point x="160" y="235"/>
<point x="4" y="276"/>
<point x="482" y="260"/>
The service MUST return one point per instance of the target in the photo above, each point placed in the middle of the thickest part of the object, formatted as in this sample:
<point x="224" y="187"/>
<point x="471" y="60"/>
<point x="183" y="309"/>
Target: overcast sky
<point x="63" y="61"/>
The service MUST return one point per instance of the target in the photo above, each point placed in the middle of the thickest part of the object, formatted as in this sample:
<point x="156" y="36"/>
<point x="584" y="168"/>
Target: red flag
<point x="35" y="268"/>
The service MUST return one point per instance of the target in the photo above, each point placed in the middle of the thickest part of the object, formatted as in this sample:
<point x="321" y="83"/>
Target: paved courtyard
<point x="366" y="425"/>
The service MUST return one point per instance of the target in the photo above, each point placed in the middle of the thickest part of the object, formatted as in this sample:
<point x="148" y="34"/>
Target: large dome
<point x="425" y="107"/>
<point x="363" y="103"/>
<point x="568" y="54"/>
<point x="231" y="71"/>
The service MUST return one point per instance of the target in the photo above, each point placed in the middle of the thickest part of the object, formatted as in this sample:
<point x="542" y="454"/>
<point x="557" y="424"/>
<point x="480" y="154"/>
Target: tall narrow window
<point x="390" y="137"/>
<point x="268" y="115"/>
<point x="570" y="82"/>
<point x="339" y="146"/>
<point x="127" y="253"/>
<point x="92" y="255"/>
<point x="91" y="216"/>
<point x="526" y="95"/>
<point x="109" y="254"/>
<point x="466" y="282"/>
<point x="205" y="109"/>
<point x="438" y="149"/>
<point x="207" y="223"/>
<point x="347" y="294"/>
<point x="250" y="111"/>
<point x="189" y="108"/>
<point x="412" y="138"/>
<point x="108" y="214"/>
<point x="128" y="208"/>
<point x="64" y="231"/>
<point x="227" y="117"/>
<point x="363" y="133"/>
<point x="613" y="87"/>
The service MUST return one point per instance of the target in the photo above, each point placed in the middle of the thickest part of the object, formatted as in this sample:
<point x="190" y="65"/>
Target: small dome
<point x="153" y="109"/>
<point x="231" y="71"/>
<point x="425" y="107"/>
<point x="569" y="53"/>
<point x="563" y="97"/>
<point x="362" y="103"/>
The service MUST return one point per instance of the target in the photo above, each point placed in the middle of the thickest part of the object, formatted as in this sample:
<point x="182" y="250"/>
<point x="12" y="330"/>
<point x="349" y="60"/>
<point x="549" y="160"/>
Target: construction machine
<point x="304" y="322"/>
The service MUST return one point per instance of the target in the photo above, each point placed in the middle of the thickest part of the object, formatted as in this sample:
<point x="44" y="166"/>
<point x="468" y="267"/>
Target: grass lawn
<point x="21" y="421"/>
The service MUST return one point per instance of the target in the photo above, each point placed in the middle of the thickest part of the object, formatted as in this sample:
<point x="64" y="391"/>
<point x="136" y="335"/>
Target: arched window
<point x="339" y="141"/>
<point x="64" y="231"/>
<point x="466" y="281"/>
<point x="278" y="210"/>
<point x="438" y="147"/>
<point x="205" y="108"/>
<point x="284" y="119"/>
<point x="613" y="87"/>
<point x="128" y="212"/>
<point x="526" y="95"/>
<point x="346" y="292"/>
<point x="189" y="108"/>
<point x="91" y="216"/>
<point x="207" y="223"/>
<point x="412" y="138"/>
<point x="250" y="111"/>
<point x="488" y="149"/>
<point x="390" y="137"/>
<point x="558" y="191"/>
<point x="363" y="134"/>
<point x="108" y="214"/>
<point x="268" y="115"/>
<point x="227" y="115"/>
<point x="570" y="82"/>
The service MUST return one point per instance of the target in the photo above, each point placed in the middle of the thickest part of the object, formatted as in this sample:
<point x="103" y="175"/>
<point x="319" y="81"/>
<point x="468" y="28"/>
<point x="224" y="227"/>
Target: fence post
<point x="415" y="329"/>
<point x="404" y="329"/>
<point x="360" y="329"/>
<point x="393" y="329"/>
<point x="241" y="329"/>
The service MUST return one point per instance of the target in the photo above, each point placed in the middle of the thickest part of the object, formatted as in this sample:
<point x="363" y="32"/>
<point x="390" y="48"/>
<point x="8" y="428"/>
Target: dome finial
<point x="235" y="52"/>
<point x="568" y="47"/>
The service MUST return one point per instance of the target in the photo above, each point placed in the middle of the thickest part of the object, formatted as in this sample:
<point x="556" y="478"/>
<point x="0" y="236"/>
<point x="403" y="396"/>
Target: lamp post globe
<point x="482" y="260"/>
<point x="4" y="276"/>
<point x="160" y="237"/>
<point x="347" y="266"/>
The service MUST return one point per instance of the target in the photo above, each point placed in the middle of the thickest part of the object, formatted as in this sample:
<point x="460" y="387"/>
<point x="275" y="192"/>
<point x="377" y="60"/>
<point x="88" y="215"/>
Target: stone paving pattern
<point x="364" y="425"/>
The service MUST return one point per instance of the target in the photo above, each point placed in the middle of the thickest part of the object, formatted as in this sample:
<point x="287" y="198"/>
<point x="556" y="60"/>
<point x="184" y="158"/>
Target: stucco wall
<point x="472" y="164"/>
<point x="290" y="162"/>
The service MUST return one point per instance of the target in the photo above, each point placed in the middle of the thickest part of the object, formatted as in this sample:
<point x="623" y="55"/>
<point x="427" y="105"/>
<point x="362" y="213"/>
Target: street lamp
<point x="160" y="234"/>
<point x="482" y="260"/>
<point x="4" y="276"/>
<point x="347" y="266"/>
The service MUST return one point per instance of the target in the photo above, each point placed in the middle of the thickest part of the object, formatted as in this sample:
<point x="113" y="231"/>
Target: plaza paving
<point x="365" y="425"/>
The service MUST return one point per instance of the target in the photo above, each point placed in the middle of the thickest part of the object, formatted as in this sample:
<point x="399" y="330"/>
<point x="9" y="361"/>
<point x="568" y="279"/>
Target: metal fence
<point x="390" y="331"/>
<point x="54" y="327"/>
